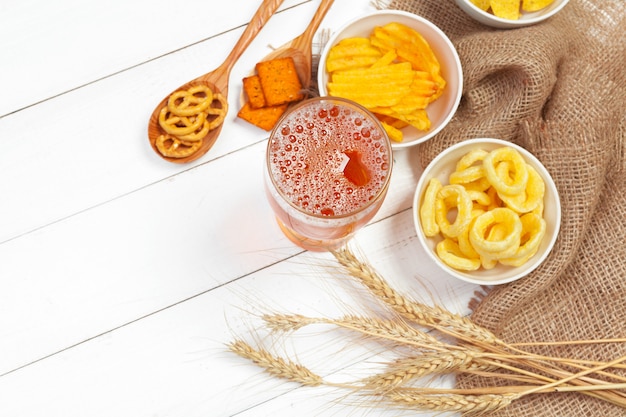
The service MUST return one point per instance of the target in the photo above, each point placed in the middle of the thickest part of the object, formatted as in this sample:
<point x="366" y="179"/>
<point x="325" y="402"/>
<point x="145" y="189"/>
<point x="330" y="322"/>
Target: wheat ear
<point x="429" y="363"/>
<point x="276" y="366"/>
<point x="422" y="314"/>
<point x="467" y="404"/>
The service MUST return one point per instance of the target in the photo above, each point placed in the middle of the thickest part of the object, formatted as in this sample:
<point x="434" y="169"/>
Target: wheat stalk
<point x="422" y="314"/>
<point x="460" y="327"/>
<point x="406" y="369"/>
<point x="468" y="404"/>
<point x="478" y="352"/>
<point x="276" y="366"/>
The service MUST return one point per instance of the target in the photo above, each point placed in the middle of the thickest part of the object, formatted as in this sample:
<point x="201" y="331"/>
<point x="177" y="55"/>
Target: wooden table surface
<point x="122" y="276"/>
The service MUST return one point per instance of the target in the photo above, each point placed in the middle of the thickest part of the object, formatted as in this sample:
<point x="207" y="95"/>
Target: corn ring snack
<point x="187" y="103"/>
<point x="463" y="239"/>
<point x="467" y="175"/>
<point x="505" y="242"/>
<point x="471" y="158"/>
<point x="427" y="210"/>
<point x="449" y="252"/>
<point x="480" y="197"/>
<point x="533" y="231"/>
<point x="448" y="197"/>
<point x="511" y="181"/>
<point x="481" y="184"/>
<point x="498" y="231"/>
<point x="531" y="197"/>
<point x="488" y="263"/>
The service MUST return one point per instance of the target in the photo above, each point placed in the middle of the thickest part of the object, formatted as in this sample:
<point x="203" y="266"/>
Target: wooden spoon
<point x="217" y="80"/>
<point x="300" y="48"/>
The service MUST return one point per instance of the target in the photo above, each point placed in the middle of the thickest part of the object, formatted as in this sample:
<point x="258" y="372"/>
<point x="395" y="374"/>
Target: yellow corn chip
<point x="506" y="9"/>
<point x="534" y="5"/>
<point x="482" y="4"/>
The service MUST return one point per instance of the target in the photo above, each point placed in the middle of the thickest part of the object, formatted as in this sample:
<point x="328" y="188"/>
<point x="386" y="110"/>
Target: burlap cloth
<point x="557" y="89"/>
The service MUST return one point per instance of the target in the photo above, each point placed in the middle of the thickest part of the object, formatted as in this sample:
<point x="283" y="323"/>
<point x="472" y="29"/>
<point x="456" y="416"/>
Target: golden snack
<point x="279" y="81"/>
<point x="535" y="5"/>
<point x="506" y="9"/>
<point x="511" y="9"/>
<point x="450" y="253"/>
<point x="173" y="147"/>
<point x="513" y="179"/>
<point x="187" y="119"/>
<point x="270" y="91"/>
<point x="529" y="199"/>
<point x="496" y="234"/>
<point x="190" y="102"/>
<point x="491" y="226"/>
<point x="533" y="231"/>
<point x="180" y="125"/>
<point x="453" y="197"/>
<point x="394" y="73"/>
<point x="427" y="210"/>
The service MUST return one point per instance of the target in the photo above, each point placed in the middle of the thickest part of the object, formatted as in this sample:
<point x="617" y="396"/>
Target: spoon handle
<point x="319" y="15"/>
<point x="262" y="15"/>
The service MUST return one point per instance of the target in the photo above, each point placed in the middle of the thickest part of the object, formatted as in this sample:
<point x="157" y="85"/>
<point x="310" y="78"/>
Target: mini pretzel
<point x="175" y="148"/>
<point x="180" y="125"/>
<point x="187" y="103"/>
<point x="198" y="135"/>
<point x="220" y="112"/>
<point x="187" y="119"/>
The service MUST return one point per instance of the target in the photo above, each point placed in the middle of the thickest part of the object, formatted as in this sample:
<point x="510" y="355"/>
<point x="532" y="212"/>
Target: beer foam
<point x="311" y="149"/>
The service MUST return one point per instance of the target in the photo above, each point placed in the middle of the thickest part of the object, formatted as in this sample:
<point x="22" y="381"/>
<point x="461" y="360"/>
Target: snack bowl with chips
<point x="419" y="123"/>
<point x="511" y="14"/>
<point x="539" y="224"/>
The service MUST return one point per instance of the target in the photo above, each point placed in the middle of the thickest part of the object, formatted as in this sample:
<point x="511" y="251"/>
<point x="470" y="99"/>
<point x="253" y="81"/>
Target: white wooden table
<point x="123" y="276"/>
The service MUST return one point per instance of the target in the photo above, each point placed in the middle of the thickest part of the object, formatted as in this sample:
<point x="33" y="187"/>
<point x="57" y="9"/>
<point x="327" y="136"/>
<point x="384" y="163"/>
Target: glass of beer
<point x="328" y="169"/>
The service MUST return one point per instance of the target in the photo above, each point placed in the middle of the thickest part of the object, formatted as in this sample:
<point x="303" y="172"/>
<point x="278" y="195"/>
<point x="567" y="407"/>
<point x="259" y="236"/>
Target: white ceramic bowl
<point x="526" y="19"/>
<point x="442" y="166"/>
<point x="441" y="110"/>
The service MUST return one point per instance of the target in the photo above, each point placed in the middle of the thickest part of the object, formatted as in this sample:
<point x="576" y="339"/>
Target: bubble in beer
<point x="333" y="162"/>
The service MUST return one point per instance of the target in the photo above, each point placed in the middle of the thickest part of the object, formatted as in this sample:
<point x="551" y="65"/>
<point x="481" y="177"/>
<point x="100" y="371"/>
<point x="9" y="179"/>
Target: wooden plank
<point x="49" y="48"/>
<point x="175" y="362"/>
<point x="144" y="251"/>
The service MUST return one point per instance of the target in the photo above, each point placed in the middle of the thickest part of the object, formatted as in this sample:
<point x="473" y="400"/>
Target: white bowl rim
<point x="537" y="17"/>
<point x="467" y="276"/>
<point x="432" y="26"/>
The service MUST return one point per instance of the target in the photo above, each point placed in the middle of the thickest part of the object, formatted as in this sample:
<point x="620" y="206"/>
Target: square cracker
<point x="264" y="117"/>
<point x="279" y="81"/>
<point x="254" y="91"/>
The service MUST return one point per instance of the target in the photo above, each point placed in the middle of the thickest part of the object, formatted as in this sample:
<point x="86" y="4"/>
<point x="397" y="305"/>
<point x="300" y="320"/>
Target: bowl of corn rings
<point x="398" y="65"/>
<point x="487" y="211"/>
<point x="509" y="14"/>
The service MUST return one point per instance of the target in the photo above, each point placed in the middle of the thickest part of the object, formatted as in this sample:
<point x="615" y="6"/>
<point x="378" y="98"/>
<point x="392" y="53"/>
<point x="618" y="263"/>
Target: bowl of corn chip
<point x="399" y="66"/>
<point x="509" y="14"/>
<point x="486" y="211"/>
